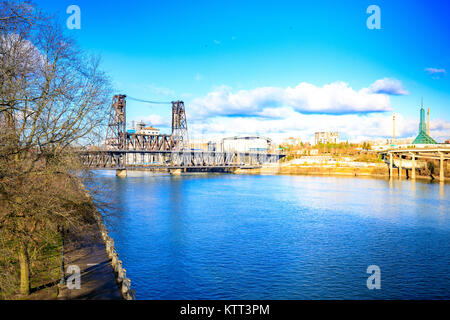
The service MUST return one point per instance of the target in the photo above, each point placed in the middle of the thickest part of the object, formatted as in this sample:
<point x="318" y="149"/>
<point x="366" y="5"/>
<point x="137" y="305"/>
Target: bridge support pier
<point x="175" y="172"/>
<point x="390" y="166"/>
<point x="413" y="165"/>
<point x="122" y="173"/>
<point x="400" y="168"/>
<point x="441" y="168"/>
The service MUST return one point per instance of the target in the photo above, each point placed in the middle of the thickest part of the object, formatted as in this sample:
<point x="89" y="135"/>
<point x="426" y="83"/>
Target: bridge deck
<point x="180" y="167"/>
<point x="428" y="153"/>
<point x="399" y="158"/>
<point x="167" y="159"/>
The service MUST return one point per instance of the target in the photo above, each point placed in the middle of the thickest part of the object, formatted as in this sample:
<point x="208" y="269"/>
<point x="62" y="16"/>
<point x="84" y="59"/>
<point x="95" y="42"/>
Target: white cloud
<point x="154" y="120"/>
<point x="388" y="86"/>
<point x="355" y="127"/>
<point x="22" y="52"/>
<point x="436" y="73"/>
<point x="160" y="90"/>
<point x="299" y="111"/>
<point x="186" y="95"/>
<point x="334" y="98"/>
<point x="440" y="129"/>
<point x="435" y="70"/>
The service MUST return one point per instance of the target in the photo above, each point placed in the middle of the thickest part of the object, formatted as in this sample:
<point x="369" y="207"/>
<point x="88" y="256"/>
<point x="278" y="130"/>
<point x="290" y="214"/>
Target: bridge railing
<point x="132" y="158"/>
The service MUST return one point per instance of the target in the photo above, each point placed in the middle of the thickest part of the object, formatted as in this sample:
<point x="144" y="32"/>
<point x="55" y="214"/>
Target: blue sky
<point x="279" y="68"/>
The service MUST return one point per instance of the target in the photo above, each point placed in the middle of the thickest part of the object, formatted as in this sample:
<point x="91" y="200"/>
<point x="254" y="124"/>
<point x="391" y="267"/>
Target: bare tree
<point x="52" y="97"/>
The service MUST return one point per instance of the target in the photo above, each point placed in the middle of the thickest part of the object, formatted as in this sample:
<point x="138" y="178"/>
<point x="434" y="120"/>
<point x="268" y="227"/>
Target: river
<point x="225" y="236"/>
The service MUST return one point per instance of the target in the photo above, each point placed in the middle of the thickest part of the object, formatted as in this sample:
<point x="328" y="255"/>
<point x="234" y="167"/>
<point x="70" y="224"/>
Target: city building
<point x="149" y="131"/>
<point x="326" y="137"/>
<point x="292" y="141"/>
<point x="198" y="144"/>
<point x="423" y="137"/>
<point x="241" y="144"/>
<point x="139" y="126"/>
<point x="384" y="144"/>
<point x="142" y="129"/>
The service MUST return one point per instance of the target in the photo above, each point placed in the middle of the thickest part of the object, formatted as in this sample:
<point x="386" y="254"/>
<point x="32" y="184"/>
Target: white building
<point x="326" y="137"/>
<point x="149" y="131"/>
<point x="241" y="144"/>
<point x="385" y="144"/>
<point x="292" y="141"/>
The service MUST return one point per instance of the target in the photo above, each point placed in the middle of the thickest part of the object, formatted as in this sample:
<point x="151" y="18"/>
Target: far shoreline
<point x="317" y="171"/>
<point x="350" y="172"/>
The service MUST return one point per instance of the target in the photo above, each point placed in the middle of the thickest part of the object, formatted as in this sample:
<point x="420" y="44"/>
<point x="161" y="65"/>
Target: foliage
<point x="53" y="97"/>
<point x="368" y="157"/>
<point x="342" y="148"/>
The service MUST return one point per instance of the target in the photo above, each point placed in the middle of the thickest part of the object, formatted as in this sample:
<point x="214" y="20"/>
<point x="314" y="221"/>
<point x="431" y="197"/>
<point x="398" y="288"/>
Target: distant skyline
<point x="275" y="68"/>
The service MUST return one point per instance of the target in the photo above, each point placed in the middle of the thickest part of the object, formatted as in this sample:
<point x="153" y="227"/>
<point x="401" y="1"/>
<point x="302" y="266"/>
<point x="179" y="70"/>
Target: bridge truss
<point x="117" y="137"/>
<point x="121" y="159"/>
<point x="132" y="150"/>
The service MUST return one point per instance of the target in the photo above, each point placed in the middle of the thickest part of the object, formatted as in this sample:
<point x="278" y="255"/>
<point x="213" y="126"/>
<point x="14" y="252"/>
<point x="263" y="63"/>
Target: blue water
<point x="209" y="236"/>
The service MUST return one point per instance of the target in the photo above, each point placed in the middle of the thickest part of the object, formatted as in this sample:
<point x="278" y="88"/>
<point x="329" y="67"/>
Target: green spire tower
<point x="423" y="138"/>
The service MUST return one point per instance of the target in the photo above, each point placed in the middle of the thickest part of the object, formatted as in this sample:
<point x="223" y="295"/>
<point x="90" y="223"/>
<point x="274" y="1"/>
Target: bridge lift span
<point x="117" y="137"/>
<point x="137" y="150"/>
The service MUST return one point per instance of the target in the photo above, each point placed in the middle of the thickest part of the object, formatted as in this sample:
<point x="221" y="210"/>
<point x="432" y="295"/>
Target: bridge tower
<point x="116" y="134"/>
<point x="179" y="126"/>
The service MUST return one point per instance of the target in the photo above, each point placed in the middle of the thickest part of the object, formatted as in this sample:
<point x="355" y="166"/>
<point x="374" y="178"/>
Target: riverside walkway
<point x="98" y="281"/>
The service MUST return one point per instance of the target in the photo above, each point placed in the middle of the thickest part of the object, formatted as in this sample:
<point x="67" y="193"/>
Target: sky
<point x="274" y="68"/>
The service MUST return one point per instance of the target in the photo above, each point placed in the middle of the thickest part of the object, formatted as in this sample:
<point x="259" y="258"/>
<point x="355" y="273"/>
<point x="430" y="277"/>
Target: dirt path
<point x="97" y="276"/>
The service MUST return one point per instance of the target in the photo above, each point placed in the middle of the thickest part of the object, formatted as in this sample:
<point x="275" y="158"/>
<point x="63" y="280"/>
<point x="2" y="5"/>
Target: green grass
<point x="45" y="262"/>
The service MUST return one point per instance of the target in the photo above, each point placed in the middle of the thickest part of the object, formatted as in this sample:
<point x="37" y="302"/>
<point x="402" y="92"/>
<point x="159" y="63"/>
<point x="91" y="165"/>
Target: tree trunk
<point x="24" y="270"/>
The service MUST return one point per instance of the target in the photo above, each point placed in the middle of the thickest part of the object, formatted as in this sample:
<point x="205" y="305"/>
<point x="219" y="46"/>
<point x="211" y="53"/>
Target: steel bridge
<point x="200" y="160"/>
<point x="118" y="138"/>
<point x="127" y="150"/>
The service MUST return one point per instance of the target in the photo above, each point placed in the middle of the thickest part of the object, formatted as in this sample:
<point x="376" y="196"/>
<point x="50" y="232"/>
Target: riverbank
<point x="380" y="171"/>
<point x="97" y="278"/>
<point x="86" y="251"/>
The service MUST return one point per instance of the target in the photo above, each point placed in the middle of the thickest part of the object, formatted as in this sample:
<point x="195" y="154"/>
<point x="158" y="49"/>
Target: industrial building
<point x="142" y="129"/>
<point x="326" y="137"/>
<point x="241" y="144"/>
